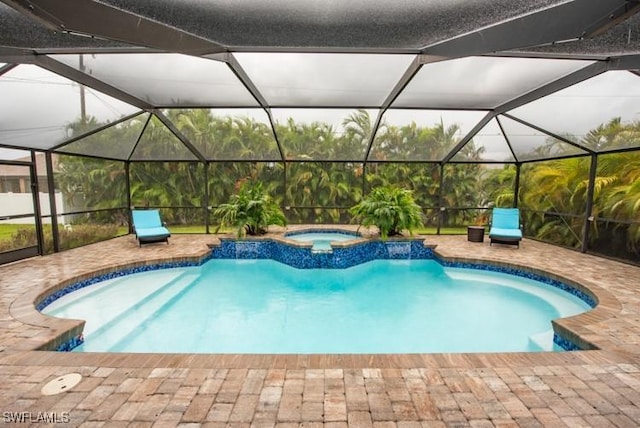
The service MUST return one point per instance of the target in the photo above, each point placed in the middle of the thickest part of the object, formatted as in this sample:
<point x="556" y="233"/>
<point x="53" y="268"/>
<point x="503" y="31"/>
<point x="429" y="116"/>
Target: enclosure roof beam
<point x="95" y="131"/>
<point x="564" y="82"/>
<point x="572" y="20"/>
<point x="578" y="76"/>
<point x="244" y="78"/>
<point x="372" y="137"/>
<point x="6" y="68"/>
<point x="626" y="62"/>
<point x="506" y="138"/>
<point x="483" y="122"/>
<point x="411" y="71"/>
<point x="99" y="20"/>
<point x="551" y="134"/>
<point x="90" y="81"/>
<point x="169" y="124"/>
<point x="16" y="55"/>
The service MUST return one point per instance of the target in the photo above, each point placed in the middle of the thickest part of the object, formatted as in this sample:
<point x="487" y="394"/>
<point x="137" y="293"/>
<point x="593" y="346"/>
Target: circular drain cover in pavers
<point x="61" y="384"/>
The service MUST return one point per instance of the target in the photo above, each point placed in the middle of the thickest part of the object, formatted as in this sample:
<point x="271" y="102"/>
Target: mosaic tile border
<point x="70" y="344"/>
<point x="565" y="344"/>
<point x="114" y="274"/>
<point x="487" y="266"/>
<point x="339" y="258"/>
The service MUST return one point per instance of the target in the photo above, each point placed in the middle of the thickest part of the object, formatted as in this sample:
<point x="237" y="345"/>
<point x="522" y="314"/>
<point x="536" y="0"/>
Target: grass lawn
<point x="462" y="230"/>
<point x="7" y="230"/>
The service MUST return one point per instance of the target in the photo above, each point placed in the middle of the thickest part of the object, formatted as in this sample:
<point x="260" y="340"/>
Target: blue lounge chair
<point x="505" y="226"/>
<point x="148" y="227"/>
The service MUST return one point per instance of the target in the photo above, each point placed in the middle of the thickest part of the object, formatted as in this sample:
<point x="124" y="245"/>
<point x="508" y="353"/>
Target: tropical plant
<point x="498" y="187"/>
<point x="251" y="210"/>
<point x="391" y="209"/>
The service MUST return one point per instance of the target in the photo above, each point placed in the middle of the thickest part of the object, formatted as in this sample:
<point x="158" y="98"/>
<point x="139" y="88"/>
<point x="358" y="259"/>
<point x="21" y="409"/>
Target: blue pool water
<point x="262" y="306"/>
<point x="321" y="240"/>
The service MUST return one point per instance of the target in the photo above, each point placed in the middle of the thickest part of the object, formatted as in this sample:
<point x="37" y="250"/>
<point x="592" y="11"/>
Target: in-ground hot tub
<point x="322" y="239"/>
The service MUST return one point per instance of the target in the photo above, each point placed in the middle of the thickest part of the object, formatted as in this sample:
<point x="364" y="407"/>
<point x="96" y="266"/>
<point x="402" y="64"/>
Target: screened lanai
<point x="110" y="105"/>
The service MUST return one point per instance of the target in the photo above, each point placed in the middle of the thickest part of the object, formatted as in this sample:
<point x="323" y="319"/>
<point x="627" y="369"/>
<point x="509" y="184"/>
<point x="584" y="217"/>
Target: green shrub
<point x="251" y="210"/>
<point x="391" y="209"/>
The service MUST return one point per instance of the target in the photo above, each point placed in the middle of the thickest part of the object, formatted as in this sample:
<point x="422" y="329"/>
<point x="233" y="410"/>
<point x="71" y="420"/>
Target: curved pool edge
<point x="59" y="334"/>
<point x="570" y="331"/>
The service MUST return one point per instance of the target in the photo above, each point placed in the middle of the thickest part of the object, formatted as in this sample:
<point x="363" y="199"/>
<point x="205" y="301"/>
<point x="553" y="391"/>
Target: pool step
<point x="100" y="303"/>
<point x="542" y="341"/>
<point x="59" y="307"/>
<point x="122" y="324"/>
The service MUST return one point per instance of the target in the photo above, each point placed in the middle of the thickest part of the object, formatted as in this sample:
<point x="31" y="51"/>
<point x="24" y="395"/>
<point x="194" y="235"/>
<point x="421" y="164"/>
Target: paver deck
<point x="584" y="388"/>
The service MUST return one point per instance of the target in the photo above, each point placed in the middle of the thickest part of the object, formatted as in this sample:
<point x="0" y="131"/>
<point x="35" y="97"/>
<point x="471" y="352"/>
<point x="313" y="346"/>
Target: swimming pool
<point x="321" y="240"/>
<point x="262" y="306"/>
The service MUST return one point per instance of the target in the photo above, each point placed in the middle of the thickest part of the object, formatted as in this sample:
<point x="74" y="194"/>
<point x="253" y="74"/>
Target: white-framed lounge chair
<point x="505" y="226"/>
<point x="148" y="227"/>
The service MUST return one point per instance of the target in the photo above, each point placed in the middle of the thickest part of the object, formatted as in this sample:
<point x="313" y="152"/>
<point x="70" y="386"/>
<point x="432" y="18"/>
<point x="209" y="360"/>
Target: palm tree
<point x="91" y="183"/>
<point x="621" y="199"/>
<point x="355" y="140"/>
<point x="497" y="187"/>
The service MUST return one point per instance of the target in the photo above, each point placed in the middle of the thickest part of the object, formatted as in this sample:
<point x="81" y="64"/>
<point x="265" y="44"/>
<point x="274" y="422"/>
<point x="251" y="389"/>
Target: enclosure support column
<point x="364" y="179"/>
<point x="35" y="193"/>
<point x="285" y="200"/>
<point x="206" y="197"/>
<point x="440" y="199"/>
<point x="127" y="178"/>
<point x="52" y="202"/>
<point x="516" y="187"/>
<point x="588" y="218"/>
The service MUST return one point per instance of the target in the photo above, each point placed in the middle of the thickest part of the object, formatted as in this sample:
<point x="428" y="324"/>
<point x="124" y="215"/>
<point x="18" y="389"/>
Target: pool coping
<point x="59" y="332"/>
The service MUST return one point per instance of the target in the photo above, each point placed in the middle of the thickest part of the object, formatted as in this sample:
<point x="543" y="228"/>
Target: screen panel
<point x="40" y="109"/>
<point x="480" y="82"/>
<point x="421" y="135"/>
<point x="324" y="80"/>
<point x="530" y="144"/>
<point x="324" y="134"/>
<point x="115" y="142"/>
<point x="489" y="144"/>
<point x="228" y="134"/>
<point x="166" y="80"/>
<point x="159" y="143"/>
<point x="602" y="113"/>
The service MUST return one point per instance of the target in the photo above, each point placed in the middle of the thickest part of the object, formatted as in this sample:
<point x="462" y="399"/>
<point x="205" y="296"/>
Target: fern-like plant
<point x="251" y="210"/>
<point x="389" y="208"/>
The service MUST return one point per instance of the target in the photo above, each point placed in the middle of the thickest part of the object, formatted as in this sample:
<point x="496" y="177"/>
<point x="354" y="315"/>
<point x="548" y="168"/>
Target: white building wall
<point x="22" y="203"/>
